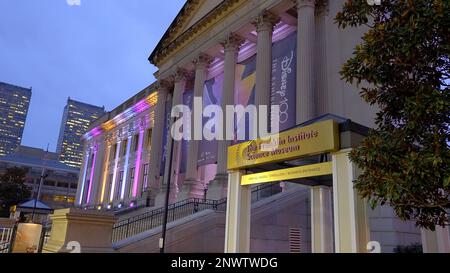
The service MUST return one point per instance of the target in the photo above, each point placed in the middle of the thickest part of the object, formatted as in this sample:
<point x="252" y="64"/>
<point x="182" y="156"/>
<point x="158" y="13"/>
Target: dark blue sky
<point x="96" y="53"/>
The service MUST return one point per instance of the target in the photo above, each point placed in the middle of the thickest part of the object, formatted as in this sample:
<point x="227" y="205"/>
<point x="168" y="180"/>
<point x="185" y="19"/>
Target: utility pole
<point x="41" y="181"/>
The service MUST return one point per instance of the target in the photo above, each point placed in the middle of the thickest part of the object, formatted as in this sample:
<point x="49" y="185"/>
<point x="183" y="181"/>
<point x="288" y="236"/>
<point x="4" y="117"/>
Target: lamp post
<point x="41" y="181"/>
<point x="166" y="179"/>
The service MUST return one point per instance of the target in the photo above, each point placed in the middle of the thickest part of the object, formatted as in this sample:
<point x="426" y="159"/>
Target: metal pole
<point x="166" y="179"/>
<point x="40" y="184"/>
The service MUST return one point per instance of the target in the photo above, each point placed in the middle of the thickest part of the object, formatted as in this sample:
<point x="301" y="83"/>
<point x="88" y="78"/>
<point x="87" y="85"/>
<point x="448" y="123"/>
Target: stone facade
<point x="125" y="151"/>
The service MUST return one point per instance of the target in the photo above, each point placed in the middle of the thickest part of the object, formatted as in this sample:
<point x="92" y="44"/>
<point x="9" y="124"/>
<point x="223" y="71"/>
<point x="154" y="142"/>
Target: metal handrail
<point x="154" y="218"/>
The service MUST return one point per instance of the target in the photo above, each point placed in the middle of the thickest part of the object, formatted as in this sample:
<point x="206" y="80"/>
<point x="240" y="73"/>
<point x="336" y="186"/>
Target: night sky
<point x="95" y="52"/>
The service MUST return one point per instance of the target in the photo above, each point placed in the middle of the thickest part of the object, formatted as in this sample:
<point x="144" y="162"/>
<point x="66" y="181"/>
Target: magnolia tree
<point x="404" y="59"/>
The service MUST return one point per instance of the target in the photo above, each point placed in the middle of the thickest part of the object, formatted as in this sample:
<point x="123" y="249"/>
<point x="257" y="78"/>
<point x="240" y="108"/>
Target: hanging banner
<point x="244" y="93"/>
<point x="283" y="88"/>
<point x="212" y="93"/>
<point x="283" y="93"/>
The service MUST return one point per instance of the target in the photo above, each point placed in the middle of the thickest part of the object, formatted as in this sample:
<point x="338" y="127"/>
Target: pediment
<point x="196" y="15"/>
<point x="192" y="12"/>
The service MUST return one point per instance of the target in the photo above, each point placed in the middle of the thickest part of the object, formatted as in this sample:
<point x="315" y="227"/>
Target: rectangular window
<point x="63" y="184"/>
<point x="119" y="185"/>
<point x="130" y="190"/>
<point x="124" y="147"/>
<point x="49" y="183"/>
<point x="110" y="182"/>
<point x="136" y="142"/>
<point x="113" y="151"/>
<point x="144" y="178"/>
<point x="148" y="140"/>
<point x="85" y="193"/>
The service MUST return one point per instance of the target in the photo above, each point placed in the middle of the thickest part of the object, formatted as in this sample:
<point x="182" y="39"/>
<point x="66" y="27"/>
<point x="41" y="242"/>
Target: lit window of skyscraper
<point x="77" y="117"/>
<point x="14" y="103"/>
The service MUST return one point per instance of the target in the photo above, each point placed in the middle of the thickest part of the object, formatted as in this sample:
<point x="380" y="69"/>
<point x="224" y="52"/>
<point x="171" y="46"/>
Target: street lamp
<point x="41" y="181"/>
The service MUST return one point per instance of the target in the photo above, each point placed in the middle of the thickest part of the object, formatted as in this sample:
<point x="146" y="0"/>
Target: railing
<point x="149" y="220"/>
<point x="45" y="234"/>
<point x="6" y="238"/>
<point x="265" y="190"/>
<point x="152" y="219"/>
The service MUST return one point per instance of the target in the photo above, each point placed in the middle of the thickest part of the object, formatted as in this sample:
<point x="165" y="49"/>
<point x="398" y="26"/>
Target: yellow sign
<point x="317" y="138"/>
<point x="288" y="174"/>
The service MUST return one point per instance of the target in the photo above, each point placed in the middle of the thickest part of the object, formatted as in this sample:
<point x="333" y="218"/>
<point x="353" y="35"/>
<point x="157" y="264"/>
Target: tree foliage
<point x="404" y="61"/>
<point x="12" y="189"/>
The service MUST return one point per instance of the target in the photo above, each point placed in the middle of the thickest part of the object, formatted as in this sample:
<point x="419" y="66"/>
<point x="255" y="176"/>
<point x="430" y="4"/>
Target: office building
<point x="14" y="104"/>
<point x="60" y="184"/>
<point x="77" y="117"/>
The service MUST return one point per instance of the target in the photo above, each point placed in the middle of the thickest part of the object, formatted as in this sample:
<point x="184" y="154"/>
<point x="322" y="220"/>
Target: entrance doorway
<point x="294" y="160"/>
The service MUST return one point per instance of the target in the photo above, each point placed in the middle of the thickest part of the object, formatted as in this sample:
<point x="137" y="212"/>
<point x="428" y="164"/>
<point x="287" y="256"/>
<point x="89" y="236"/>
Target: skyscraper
<point x="77" y="117"/>
<point x="14" y="103"/>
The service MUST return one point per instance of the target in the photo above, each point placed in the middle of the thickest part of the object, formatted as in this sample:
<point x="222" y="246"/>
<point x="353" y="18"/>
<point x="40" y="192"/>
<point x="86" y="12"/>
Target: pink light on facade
<point x="134" y="110"/>
<point x="86" y="161"/>
<point x="138" y="164"/>
<point x="91" y="176"/>
<point x="96" y="131"/>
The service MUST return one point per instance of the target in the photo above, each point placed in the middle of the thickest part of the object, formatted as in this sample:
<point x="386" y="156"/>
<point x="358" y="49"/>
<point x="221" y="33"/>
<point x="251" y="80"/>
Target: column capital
<point x="163" y="85"/>
<point x="202" y="61"/>
<point x="321" y="7"/>
<point x="181" y="74"/>
<point x="232" y="42"/>
<point x="266" y="21"/>
<point x="306" y="3"/>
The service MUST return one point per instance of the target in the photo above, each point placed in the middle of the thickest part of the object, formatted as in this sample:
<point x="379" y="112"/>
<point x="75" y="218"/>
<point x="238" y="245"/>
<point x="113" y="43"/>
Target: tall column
<point x="113" y="190"/>
<point x="264" y="27"/>
<point x="82" y="177"/>
<point x="321" y="70"/>
<point x="102" y="193"/>
<point x="217" y="188"/>
<point x="237" y="226"/>
<point x="157" y="140"/>
<point x="137" y="162"/>
<point x="96" y="172"/>
<point x="437" y="241"/>
<point x="321" y="220"/>
<point x="126" y="183"/>
<point x="192" y="187"/>
<point x="351" y="223"/>
<point x="180" y="77"/>
<point x="305" y="60"/>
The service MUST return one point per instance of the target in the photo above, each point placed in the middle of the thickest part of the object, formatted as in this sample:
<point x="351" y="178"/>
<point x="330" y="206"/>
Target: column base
<point x="149" y="197"/>
<point x="191" y="189"/>
<point x="437" y="241"/>
<point x="91" y="230"/>
<point x="218" y="187"/>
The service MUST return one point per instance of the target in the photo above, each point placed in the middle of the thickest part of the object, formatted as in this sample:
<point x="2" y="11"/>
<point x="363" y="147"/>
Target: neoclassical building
<point x="232" y="43"/>
<point x="268" y="52"/>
